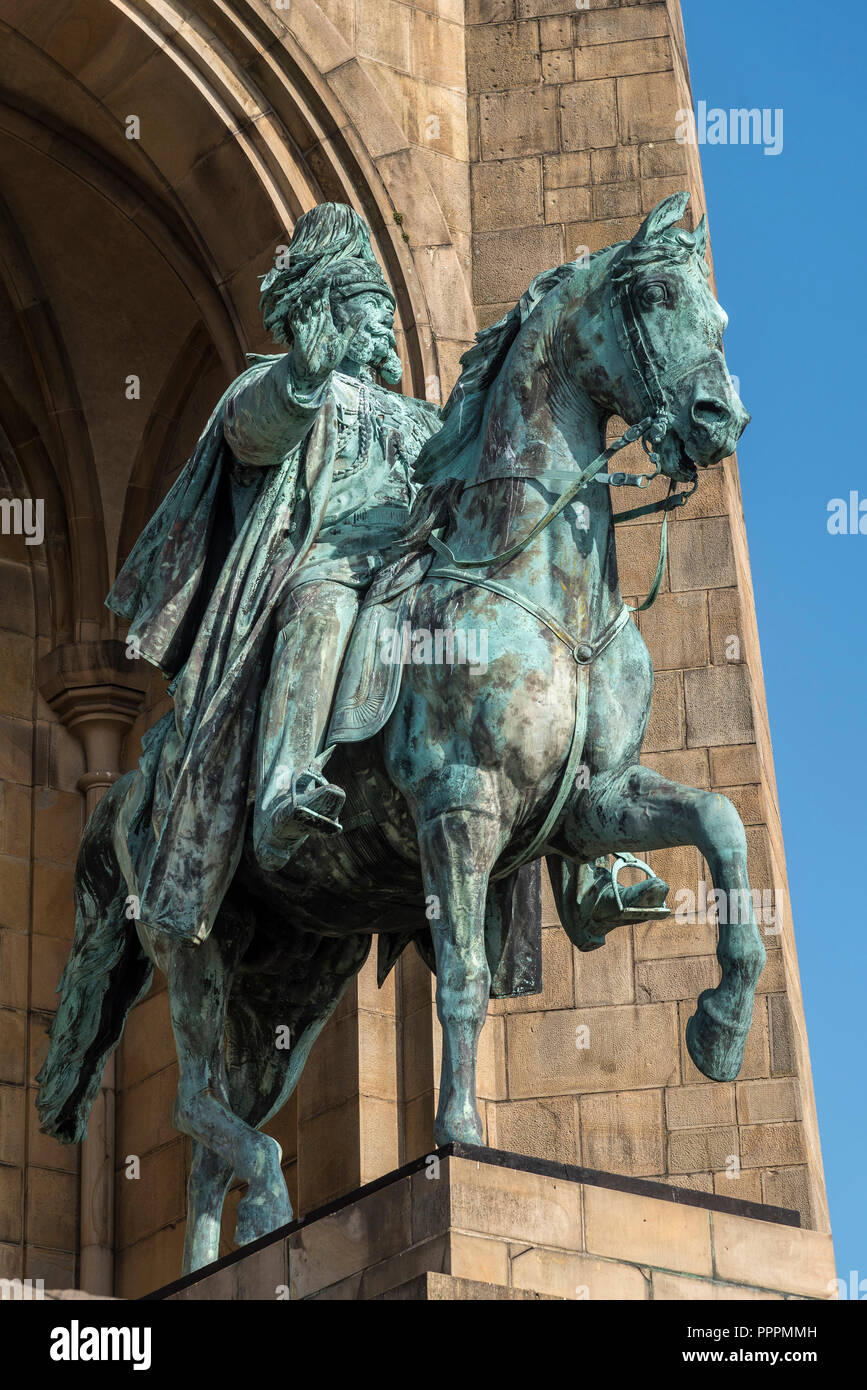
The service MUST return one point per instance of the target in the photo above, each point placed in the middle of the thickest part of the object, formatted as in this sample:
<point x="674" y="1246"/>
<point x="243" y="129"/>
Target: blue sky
<point x="788" y="233"/>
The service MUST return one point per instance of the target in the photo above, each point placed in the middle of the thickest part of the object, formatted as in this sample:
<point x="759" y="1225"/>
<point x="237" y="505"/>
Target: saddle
<point x="373" y="666"/>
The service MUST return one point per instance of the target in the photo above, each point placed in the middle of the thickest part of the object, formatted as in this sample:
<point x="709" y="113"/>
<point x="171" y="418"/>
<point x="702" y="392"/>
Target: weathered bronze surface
<point x="317" y="500"/>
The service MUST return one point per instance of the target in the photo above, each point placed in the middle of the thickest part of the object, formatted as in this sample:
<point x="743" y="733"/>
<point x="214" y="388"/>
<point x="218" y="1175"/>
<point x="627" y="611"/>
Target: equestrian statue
<point x="323" y="778"/>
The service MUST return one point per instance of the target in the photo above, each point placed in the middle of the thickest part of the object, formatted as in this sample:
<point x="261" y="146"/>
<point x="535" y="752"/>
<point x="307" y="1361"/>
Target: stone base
<point x="473" y="1224"/>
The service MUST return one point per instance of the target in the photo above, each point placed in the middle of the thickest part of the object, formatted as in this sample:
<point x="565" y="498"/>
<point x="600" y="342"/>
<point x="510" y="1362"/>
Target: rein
<point x="650" y="430"/>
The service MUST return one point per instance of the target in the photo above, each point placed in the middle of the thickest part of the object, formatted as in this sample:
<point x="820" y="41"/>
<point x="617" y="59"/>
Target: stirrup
<point x="594" y="929"/>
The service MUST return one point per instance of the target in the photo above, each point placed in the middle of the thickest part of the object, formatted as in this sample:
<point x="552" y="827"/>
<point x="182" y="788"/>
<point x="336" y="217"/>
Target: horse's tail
<point x="106" y="973"/>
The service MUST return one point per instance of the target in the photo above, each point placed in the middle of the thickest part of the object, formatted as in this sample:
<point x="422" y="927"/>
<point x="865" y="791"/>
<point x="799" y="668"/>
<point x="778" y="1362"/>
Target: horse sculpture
<point x="475" y="773"/>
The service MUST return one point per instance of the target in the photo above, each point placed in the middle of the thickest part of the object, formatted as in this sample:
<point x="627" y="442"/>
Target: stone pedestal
<point x="469" y="1223"/>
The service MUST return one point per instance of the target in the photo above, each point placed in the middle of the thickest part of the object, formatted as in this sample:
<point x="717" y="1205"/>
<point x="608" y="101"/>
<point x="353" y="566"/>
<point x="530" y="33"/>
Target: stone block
<point x="555" y="32"/>
<point x="666" y="728"/>
<point x="48" y="959"/>
<point x="504" y="262"/>
<point x="14" y="894"/>
<point x="348" y="1240"/>
<point x="616" y="164"/>
<point x="600" y="60"/>
<point x="788" y="1187"/>
<point x="156" y="1198"/>
<point x="690" y="1107"/>
<point x="17" y="675"/>
<point x="647" y="105"/>
<point x="557" y="66"/>
<point x="148" y="1043"/>
<point x="502" y="57"/>
<point x="687" y="765"/>
<point x="664" y="159"/>
<point x="630" y="1046"/>
<point x="782" y="1039"/>
<point x="506" y="193"/>
<point x="658" y="980"/>
<point x="700" y="554"/>
<point x="514" y="1205"/>
<point x="385" y="33"/>
<point x="676" y="631"/>
<point x="772" y="1145"/>
<point x="539" y="1128"/>
<point x="735" y="766"/>
<point x="609" y="25"/>
<point x="646" y="1231"/>
<point x="436" y="1288"/>
<point x="771" y="1256"/>
<point x="13" y="969"/>
<point x="694" y="1150"/>
<point x="566" y="170"/>
<point x="678" y="1287"/>
<point x="624" y="1132"/>
<point x="58" y="825"/>
<point x="150" y="1263"/>
<point x="605" y="976"/>
<point x="518" y="123"/>
<point x="51" y="1216"/>
<point x="567" y="204"/>
<point x="15" y="827"/>
<point x="766" y="1102"/>
<point x="16" y="749"/>
<point x="588" y="116"/>
<point x="10" y="1203"/>
<point x="476" y="1257"/>
<point x="53" y="900"/>
<point x="438" y="50"/>
<point x="595" y="236"/>
<point x="718" y="706"/>
<point x="12" y="1045"/>
<point x="615" y="200"/>
<point x="13" y="1127"/>
<point x="575" y="1276"/>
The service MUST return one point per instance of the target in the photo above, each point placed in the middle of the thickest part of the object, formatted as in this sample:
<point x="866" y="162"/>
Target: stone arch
<point x="248" y="118"/>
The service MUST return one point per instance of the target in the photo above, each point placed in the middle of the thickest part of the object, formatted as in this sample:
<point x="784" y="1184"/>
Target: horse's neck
<point x="542" y="429"/>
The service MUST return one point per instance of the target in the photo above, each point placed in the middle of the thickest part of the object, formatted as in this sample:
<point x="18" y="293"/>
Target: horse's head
<point x="648" y="332"/>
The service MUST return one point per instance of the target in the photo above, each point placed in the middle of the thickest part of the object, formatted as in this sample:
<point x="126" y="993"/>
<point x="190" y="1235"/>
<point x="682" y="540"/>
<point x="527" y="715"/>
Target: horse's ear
<point x="700" y="238"/>
<point x="664" y="215"/>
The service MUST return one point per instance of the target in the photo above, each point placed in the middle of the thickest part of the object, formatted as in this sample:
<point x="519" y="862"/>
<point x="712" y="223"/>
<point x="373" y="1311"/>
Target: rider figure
<point x="245" y="584"/>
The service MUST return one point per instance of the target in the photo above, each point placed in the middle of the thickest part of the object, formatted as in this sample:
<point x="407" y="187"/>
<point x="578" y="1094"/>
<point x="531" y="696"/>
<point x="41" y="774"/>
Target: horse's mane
<point x="464" y="410"/>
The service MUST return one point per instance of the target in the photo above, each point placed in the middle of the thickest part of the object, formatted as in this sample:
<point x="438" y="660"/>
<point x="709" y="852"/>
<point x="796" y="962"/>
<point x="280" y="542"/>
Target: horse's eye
<point x="657" y="293"/>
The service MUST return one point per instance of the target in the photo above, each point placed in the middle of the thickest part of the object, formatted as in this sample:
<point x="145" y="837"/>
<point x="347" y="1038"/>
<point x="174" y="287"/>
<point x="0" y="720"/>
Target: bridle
<point x="651" y="430"/>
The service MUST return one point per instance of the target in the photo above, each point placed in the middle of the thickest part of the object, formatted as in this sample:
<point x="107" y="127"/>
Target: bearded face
<point x="374" y="345"/>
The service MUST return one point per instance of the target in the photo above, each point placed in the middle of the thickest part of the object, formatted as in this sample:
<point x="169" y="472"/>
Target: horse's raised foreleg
<point x="199" y="982"/>
<point x="636" y="809"/>
<point x="458" y="849"/>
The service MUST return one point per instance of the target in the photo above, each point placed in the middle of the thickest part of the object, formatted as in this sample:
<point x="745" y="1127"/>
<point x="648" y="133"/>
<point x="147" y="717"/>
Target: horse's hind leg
<point x="210" y="1176"/>
<point x="199" y="982"/>
<point x="636" y="809"/>
<point x="458" y="849"/>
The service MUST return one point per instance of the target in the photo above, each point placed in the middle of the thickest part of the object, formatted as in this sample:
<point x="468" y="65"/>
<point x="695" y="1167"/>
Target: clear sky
<point x="788" y="242"/>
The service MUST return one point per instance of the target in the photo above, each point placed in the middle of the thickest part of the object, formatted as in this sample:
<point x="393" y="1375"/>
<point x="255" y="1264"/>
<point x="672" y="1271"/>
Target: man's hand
<point x="318" y="346"/>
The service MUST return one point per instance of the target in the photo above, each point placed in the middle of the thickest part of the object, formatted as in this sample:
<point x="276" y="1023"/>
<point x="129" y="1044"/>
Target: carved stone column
<point x="96" y="691"/>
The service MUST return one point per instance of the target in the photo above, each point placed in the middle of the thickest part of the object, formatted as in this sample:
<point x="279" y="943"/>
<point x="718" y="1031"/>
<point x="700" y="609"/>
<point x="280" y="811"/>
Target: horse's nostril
<point x="710" y="414"/>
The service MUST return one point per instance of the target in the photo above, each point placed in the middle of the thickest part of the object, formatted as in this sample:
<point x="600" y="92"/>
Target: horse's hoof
<point x="259" y="1216"/>
<point x="458" y="1127"/>
<point x="715" y="1045"/>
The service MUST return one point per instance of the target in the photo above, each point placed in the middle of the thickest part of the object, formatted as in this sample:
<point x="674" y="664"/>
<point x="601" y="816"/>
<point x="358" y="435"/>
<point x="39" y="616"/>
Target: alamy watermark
<point x="713" y="906"/>
<point x="23" y="517"/>
<point x="409" y="646"/>
<point x="737" y="126"/>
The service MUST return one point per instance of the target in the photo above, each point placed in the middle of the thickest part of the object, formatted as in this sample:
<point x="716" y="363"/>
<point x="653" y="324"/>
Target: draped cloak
<point x="199" y="589"/>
